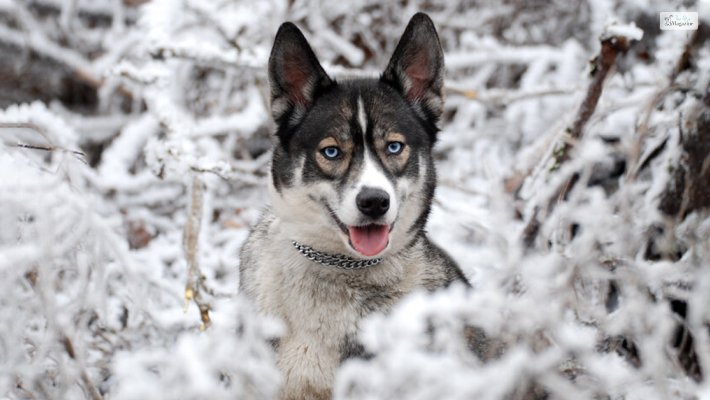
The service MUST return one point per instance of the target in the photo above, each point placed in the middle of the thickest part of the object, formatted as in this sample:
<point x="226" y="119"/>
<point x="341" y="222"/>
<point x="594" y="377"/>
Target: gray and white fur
<point x="352" y="174"/>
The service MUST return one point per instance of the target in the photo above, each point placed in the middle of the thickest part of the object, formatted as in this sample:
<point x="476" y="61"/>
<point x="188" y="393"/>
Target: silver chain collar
<point x="334" y="260"/>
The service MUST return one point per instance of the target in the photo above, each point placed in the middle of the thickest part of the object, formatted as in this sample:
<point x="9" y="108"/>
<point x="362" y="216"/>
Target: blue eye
<point x="395" y="147"/>
<point x="331" y="152"/>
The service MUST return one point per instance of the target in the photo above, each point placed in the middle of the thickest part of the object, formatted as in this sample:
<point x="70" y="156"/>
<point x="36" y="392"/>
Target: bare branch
<point x="69" y="347"/>
<point x="190" y="239"/>
<point x="642" y="128"/>
<point x="4" y="125"/>
<point x="604" y="63"/>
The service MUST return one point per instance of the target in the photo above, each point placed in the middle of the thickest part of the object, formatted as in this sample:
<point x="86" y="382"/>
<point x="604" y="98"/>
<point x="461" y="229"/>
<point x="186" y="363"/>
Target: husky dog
<point x="351" y="185"/>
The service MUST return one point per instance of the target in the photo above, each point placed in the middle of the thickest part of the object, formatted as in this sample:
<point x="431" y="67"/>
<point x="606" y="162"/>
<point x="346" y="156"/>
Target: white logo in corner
<point x="679" y="21"/>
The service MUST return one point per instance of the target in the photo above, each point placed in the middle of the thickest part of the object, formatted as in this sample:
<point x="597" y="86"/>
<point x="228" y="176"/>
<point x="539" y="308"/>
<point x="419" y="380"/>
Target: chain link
<point x="334" y="260"/>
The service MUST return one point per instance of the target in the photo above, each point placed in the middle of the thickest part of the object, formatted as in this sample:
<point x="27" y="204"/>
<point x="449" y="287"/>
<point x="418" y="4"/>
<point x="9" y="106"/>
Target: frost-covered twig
<point x="612" y="44"/>
<point x="80" y="155"/>
<point x="191" y="234"/>
<point x="502" y="96"/>
<point x="642" y="128"/>
<point x="687" y="189"/>
<point x="611" y="47"/>
<point x="39" y="43"/>
<point x="93" y="391"/>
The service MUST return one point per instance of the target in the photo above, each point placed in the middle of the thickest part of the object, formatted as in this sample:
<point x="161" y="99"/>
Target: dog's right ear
<point x="295" y="75"/>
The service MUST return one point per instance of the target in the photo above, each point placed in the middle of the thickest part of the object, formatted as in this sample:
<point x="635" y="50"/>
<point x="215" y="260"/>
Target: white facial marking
<point x="361" y="115"/>
<point x="371" y="176"/>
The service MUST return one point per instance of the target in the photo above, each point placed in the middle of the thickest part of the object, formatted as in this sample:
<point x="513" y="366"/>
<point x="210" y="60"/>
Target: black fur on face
<point x="358" y="117"/>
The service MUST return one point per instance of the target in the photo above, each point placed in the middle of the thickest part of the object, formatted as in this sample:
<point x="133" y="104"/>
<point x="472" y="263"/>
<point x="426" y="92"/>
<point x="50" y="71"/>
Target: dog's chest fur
<point x="322" y="306"/>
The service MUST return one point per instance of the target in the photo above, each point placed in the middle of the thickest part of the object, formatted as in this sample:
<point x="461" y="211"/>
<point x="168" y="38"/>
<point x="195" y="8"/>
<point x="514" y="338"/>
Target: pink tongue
<point x="369" y="240"/>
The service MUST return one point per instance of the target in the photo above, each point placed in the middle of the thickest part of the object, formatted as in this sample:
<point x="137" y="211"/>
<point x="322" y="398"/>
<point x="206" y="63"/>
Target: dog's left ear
<point x="417" y="68"/>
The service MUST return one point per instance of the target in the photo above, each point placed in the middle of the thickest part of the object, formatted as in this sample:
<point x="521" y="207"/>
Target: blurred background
<point x="574" y="186"/>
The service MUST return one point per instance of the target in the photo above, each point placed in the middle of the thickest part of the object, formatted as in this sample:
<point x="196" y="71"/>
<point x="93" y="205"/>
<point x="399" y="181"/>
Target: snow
<point x="93" y="218"/>
<point x="630" y="31"/>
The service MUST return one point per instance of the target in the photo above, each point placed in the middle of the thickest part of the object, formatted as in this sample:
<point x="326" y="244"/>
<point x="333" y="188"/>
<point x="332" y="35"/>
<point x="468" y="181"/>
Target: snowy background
<point x="134" y="158"/>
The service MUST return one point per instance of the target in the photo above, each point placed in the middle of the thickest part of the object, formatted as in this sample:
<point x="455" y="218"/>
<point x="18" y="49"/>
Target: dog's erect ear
<point x="417" y="68"/>
<point x="295" y="75"/>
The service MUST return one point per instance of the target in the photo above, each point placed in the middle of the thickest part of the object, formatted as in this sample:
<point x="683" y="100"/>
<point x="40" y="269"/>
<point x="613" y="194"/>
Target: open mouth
<point x="368" y="240"/>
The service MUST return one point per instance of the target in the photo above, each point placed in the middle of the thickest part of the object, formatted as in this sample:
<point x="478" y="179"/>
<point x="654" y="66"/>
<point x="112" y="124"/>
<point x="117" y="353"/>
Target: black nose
<point x="373" y="202"/>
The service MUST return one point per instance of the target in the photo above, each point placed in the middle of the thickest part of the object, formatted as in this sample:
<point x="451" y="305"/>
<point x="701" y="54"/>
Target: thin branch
<point x="26" y="125"/>
<point x="190" y="239"/>
<point x="683" y="60"/>
<point x="249" y="177"/>
<point x="209" y="21"/>
<point x="604" y="63"/>
<point x="506" y="96"/>
<point x="69" y="347"/>
<point x="32" y="38"/>
<point x="642" y="132"/>
<point x="22" y="125"/>
<point x="40" y="44"/>
<point x="642" y="129"/>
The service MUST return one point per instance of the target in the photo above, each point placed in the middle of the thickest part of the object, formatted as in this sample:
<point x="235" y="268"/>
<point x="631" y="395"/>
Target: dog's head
<point x="352" y="167"/>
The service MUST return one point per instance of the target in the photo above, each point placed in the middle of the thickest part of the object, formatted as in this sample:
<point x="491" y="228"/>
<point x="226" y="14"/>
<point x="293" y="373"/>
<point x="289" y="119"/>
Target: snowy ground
<point x="149" y="173"/>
